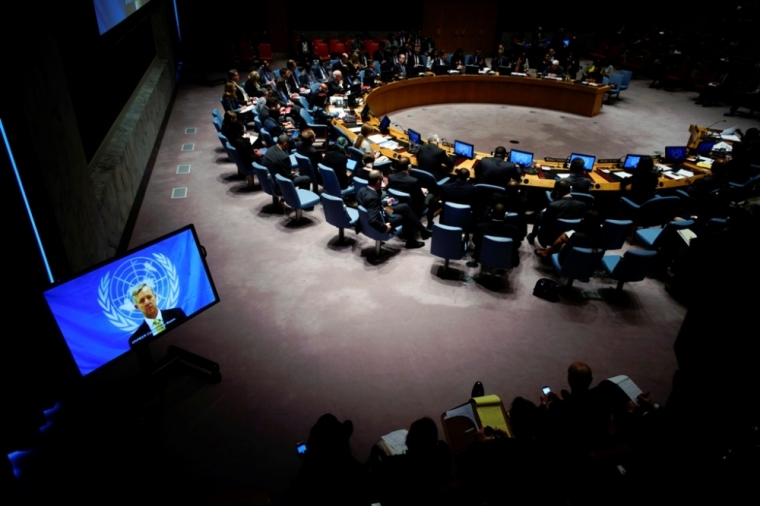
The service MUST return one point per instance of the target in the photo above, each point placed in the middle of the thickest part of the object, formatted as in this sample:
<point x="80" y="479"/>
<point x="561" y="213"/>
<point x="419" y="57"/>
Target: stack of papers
<point x="673" y="175"/>
<point x="685" y="173"/>
<point x="378" y="138"/>
<point x="394" y="443"/>
<point x="392" y="145"/>
<point x="623" y="174"/>
<point x="627" y="385"/>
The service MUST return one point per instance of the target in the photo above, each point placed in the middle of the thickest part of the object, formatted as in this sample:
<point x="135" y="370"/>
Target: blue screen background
<point x="76" y="304"/>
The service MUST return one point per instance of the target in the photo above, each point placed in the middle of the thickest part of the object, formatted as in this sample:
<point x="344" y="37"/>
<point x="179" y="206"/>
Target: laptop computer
<point x="462" y="152"/>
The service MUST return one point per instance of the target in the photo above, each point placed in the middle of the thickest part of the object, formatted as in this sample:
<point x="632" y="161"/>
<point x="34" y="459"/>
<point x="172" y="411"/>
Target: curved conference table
<point x="524" y="91"/>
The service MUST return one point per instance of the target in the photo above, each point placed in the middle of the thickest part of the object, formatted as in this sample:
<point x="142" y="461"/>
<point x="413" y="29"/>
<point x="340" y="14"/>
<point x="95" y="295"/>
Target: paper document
<point x="627" y="385"/>
<point x="465" y="411"/>
<point x="378" y="138"/>
<point x="392" y="145"/>
<point x="355" y="130"/>
<point x="490" y="412"/>
<point x="687" y="235"/>
<point x="562" y="176"/>
<point x="395" y="442"/>
<point x="723" y="146"/>
<point x="663" y="168"/>
<point x="685" y="173"/>
<point x="622" y="174"/>
<point x="673" y="175"/>
<point x="732" y="138"/>
<point x="382" y="159"/>
<point x="519" y="74"/>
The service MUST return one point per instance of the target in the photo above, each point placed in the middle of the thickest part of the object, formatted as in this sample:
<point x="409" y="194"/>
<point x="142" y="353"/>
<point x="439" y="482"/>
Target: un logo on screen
<point x="115" y="290"/>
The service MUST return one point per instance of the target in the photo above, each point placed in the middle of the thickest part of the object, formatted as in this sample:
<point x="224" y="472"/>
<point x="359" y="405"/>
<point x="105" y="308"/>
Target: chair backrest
<point x="265" y="179"/>
<point x="222" y="139"/>
<point x="426" y="179"/>
<point x="615" y="232"/>
<point x="634" y="265"/>
<point x="267" y="137"/>
<point x="384" y="167"/>
<point x="496" y="252"/>
<point x="447" y="242"/>
<point x="616" y="79"/>
<point x="305" y="167"/>
<point x="289" y="192"/>
<point x="371" y="232"/>
<point x="586" y="198"/>
<point x="656" y="211"/>
<point x="217" y="124"/>
<point x="355" y="154"/>
<point x="627" y="75"/>
<point x="359" y="183"/>
<point x="671" y="227"/>
<point x="238" y="161"/>
<point x="335" y="211"/>
<point x="257" y="123"/>
<point x="484" y="193"/>
<point x="216" y="114"/>
<point x="562" y="225"/>
<point x="402" y="197"/>
<point x="306" y="116"/>
<point x="456" y="215"/>
<point x="305" y="104"/>
<point x="581" y="263"/>
<point x="265" y="51"/>
<point x="330" y="181"/>
<point x="338" y="132"/>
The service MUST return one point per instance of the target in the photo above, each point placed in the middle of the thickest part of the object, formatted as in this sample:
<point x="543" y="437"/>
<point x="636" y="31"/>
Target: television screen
<point x="132" y="299"/>
<point x="464" y="149"/>
<point x="521" y="158"/>
<point x="414" y="137"/>
<point x="588" y="160"/>
<point x="110" y="13"/>
<point x="631" y="161"/>
<point x="675" y="153"/>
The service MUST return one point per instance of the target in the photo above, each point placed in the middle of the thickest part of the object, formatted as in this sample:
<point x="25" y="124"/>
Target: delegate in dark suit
<point x="565" y="208"/>
<point x="579" y="184"/>
<point x="170" y="317"/>
<point x="496" y="171"/>
<point x="434" y="160"/>
<point x="404" y="182"/>
<point x="278" y="162"/>
<point x="458" y="192"/>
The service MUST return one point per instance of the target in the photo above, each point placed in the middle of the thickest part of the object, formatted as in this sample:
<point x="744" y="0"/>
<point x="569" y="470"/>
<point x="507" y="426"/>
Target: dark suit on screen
<point x="172" y="317"/>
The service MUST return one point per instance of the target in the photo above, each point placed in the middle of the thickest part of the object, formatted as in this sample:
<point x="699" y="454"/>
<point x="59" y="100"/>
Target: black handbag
<point x="547" y="289"/>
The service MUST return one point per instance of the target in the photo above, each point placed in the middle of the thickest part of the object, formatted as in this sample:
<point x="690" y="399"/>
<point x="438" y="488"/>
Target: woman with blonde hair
<point x="361" y="140"/>
<point x="252" y="85"/>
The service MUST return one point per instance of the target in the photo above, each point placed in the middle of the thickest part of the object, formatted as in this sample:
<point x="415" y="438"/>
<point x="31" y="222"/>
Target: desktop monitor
<point x="588" y="160"/>
<point x="675" y="154"/>
<point x="440" y="70"/>
<point x="414" y="137"/>
<point x="505" y="71"/>
<point x="705" y="147"/>
<point x="521" y="158"/>
<point x="464" y="150"/>
<point x="631" y="161"/>
<point x="369" y="79"/>
<point x="108" y="309"/>
<point x="471" y="69"/>
<point x="386" y="76"/>
<point x="384" y="124"/>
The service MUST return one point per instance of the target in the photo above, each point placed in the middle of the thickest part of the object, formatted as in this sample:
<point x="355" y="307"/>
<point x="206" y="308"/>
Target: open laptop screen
<point x="675" y="153"/>
<point x="521" y="158"/>
<point x="588" y="160"/>
<point x="464" y="149"/>
<point x="384" y="124"/>
<point x="631" y="161"/>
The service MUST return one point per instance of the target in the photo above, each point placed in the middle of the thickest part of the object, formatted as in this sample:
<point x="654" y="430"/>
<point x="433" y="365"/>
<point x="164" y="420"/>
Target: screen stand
<point x="177" y="358"/>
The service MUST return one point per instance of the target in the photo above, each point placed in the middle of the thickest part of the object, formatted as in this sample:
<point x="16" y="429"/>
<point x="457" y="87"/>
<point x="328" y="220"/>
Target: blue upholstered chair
<point x="355" y="154"/>
<point x="330" y="182"/>
<point x="359" y="183"/>
<point x="370" y="232"/>
<point x="296" y="198"/>
<point x="338" y="215"/>
<point x="217" y="124"/>
<point x="447" y="244"/>
<point x="586" y="198"/>
<point x="580" y="264"/>
<point x="427" y="180"/>
<point x="456" y="215"/>
<point x="484" y="193"/>
<point x="266" y="182"/>
<point x="222" y="139"/>
<point x="306" y="169"/>
<point x="216" y="114"/>
<point x="617" y="80"/>
<point x="562" y="225"/>
<point x="496" y="253"/>
<point x="650" y="237"/>
<point x="615" y="232"/>
<point x="632" y="266"/>
<point x="627" y="76"/>
<point x="655" y="211"/>
<point x="266" y="137"/>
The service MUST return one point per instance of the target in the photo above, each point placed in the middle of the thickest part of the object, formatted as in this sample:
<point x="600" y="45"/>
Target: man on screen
<point x="156" y="321"/>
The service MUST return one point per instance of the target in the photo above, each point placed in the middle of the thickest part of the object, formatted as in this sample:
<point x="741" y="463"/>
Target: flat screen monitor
<point x="675" y="153"/>
<point x="386" y="76"/>
<point x="505" y="71"/>
<point x="521" y="158"/>
<point x="384" y="124"/>
<point x="414" y="137"/>
<point x="464" y="150"/>
<point x="588" y="160"/>
<point x="369" y="79"/>
<point x="132" y="299"/>
<point x="110" y="13"/>
<point x="705" y="147"/>
<point x="440" y="70"/>
<point x="631" y="161"/>
<point x="471" y="69"/>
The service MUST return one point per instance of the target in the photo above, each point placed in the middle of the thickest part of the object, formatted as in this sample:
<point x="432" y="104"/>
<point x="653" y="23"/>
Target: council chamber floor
<point x="306" y="326"/>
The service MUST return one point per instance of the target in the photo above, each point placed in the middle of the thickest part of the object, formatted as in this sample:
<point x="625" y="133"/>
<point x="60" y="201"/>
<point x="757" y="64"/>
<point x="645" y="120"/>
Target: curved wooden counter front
<point x="524" y="91"/>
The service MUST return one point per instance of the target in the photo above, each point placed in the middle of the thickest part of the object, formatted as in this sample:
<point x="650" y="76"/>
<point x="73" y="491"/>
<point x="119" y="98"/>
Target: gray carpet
<point x="307" y="327"/>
